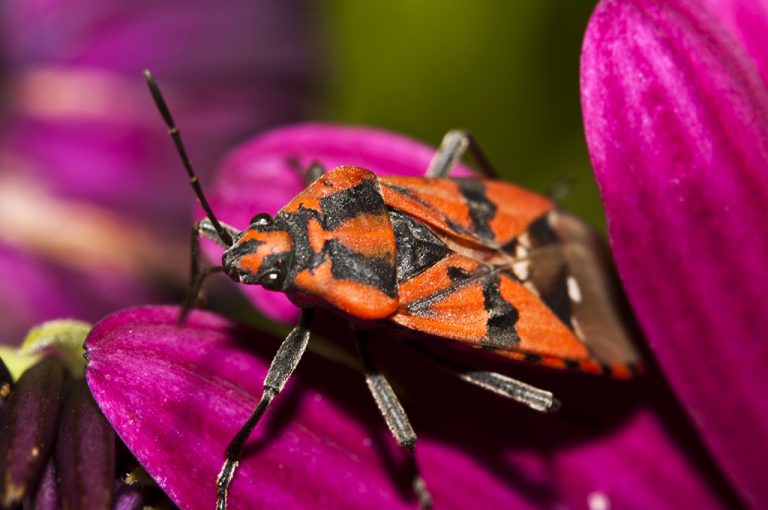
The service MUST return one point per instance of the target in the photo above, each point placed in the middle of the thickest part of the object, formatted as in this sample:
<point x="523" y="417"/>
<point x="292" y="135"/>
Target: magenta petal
<point x="83" y="122"/>
<point x="677" y="125"/>
<point x="261" y="176"/>
<point x="80" y="137"/>
<point x="747" y="21"/>
<point x="177" y="395"/>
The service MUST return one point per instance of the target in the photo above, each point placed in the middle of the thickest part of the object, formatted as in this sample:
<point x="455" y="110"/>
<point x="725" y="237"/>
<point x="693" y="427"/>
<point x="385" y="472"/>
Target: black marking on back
<point x="453" y="225"/>
<point x="407" y="193"/>
<point x="364" y="198"/>
<point x="416" y="246"/>
<point x="350" y="265"/>
<point x="303" y="255"/>
<point x="481" y="210"/>
<point x="423" y="305"/>
<point x="502" y="316"/>
<point x="458" y="274"/>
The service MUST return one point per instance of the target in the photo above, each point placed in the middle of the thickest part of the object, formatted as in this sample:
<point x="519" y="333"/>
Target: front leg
<point x="283" y="364"/>
<point x="197" y="275"/>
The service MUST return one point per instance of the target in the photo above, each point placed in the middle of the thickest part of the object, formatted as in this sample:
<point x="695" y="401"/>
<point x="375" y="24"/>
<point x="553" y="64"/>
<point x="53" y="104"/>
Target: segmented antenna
<point x="162" y="107"/>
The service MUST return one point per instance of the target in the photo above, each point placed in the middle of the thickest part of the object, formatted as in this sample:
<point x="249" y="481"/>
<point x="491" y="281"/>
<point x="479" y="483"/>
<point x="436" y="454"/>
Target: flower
<point x="177" y="395"/>
<point x="676" y="119"/>
<point x="92" y="196"/>
<point x="56" y="448"/>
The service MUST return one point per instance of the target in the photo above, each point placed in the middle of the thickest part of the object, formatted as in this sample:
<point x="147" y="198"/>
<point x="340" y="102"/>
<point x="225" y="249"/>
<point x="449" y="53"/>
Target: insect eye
<point x="262" y="220"/>
<point x="272" y="280"/>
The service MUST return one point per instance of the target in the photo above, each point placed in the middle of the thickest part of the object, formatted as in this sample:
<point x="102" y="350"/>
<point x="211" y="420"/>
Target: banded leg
<point x="197" y="275"/>
<point x="535" y="398"/>
<point x="455" y="143"/>
<point x="394" y="415"/>
<point x="282" y="366"/>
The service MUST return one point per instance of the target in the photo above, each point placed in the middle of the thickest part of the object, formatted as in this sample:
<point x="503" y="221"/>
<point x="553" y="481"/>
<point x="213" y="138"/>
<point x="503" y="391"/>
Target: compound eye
<point x="262" y="220"/>
<point x="272" y="280"/>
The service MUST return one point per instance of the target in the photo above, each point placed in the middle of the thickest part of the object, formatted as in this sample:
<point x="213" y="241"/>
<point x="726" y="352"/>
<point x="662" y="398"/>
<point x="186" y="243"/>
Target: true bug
<point x="475" y="260"/>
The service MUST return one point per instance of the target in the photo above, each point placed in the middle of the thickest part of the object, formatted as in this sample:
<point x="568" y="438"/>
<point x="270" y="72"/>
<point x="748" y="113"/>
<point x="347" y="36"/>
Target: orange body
<point x="471" y="260"/>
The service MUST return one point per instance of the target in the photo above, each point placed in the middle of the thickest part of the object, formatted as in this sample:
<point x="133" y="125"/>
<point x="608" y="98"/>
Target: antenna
<point x="162" y="107"/>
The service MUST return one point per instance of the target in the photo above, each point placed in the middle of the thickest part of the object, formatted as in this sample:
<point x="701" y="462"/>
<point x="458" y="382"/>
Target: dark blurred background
<point x="507" y="71"/>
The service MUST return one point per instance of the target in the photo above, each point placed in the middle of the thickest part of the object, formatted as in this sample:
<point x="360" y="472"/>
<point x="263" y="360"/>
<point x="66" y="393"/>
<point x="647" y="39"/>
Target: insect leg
<point x="197" y="275"/>
<point x="205" y="228"/>
<point x="455" y="143"/>
<point x="282" y="366"/>
<point x="394" y="414"/>
<point x="310" y="174"/>
<point x="535" y="398"/>
<point x="314" y="172"/>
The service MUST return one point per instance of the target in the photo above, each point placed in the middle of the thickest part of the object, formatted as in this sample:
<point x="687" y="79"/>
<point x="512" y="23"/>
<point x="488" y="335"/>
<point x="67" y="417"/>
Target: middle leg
<point x="394" y="414"/>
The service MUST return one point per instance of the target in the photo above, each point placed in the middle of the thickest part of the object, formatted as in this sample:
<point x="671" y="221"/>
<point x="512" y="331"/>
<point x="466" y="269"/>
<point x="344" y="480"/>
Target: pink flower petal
<point x="747" y="20"/>
<point x="80" y="133"/>
<point x="677" y="124"/>
<point x="83" y="122"/>
<point x="176" y="396"/>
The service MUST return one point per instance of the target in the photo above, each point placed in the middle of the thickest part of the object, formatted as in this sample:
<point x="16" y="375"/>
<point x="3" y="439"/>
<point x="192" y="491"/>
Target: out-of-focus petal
<point x="128" y="497"/>
<point x="85" y="452"/>
<point x="6" y="382"/>
<point x="747" y="21"/>
<point x="266" y="172"/>
<point x="46" y="496"/>
<point x="29" y="429"/>
<point x="176" y="396"/>
<point x="677" y="124"/>
<point x="100" y="200"/>
<point x="81" y="118"/>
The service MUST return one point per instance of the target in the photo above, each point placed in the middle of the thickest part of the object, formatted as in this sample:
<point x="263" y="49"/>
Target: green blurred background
<point x="506" y="70"/>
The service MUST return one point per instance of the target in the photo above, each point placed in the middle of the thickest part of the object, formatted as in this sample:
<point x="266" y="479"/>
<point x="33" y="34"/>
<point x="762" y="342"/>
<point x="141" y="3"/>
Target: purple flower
<point x="676" y="117"/>
<point x="92" y="201"/>
<point x="176" y="395"/>
<point x="56" y="448"/>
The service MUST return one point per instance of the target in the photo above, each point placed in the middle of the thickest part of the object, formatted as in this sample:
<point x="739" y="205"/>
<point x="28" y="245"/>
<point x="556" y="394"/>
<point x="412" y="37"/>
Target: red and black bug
<point x="472" y="260"/>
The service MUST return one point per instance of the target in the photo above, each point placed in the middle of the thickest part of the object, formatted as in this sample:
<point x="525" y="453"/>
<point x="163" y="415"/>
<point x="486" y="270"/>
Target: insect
<point x="476" y="261"/>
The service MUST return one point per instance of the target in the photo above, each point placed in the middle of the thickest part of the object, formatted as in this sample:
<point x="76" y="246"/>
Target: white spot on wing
<point x="574" y="291"/>
<point x="522" y="269"/>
